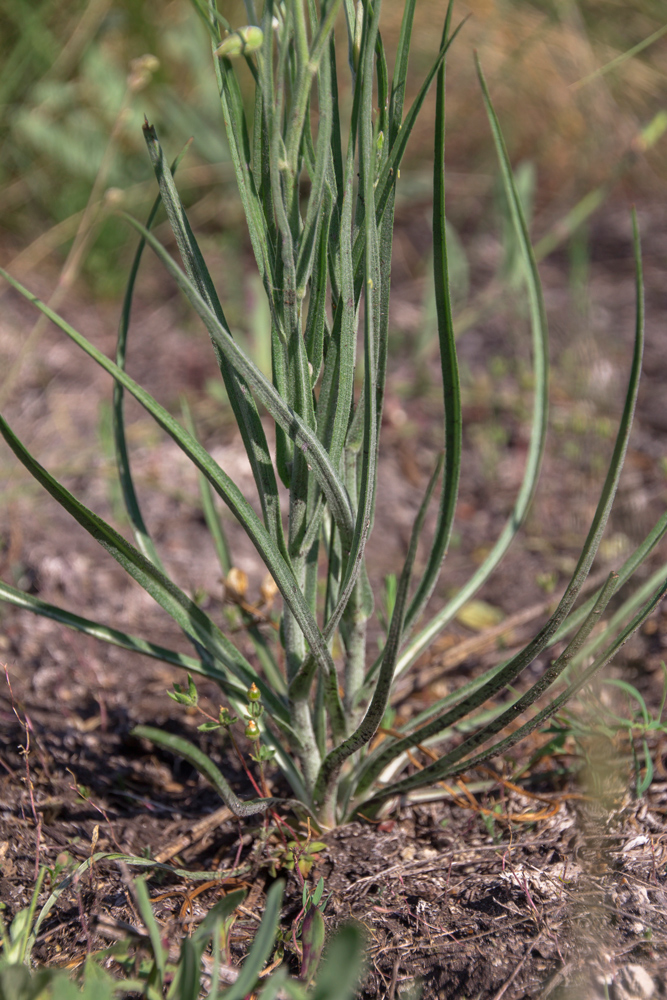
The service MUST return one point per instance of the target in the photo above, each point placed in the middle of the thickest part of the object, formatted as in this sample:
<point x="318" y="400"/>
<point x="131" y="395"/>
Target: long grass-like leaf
<point x="241" y="400"/>
<point x="638" y="596"/>
<point x="331" y="766"/>
<point x="285" y="417"/>
<point x="540" y="407"/>
<point x="239" y="146"/>
<point x="448" y="359"/>
<point x="223" y="485"/>
<point x="115" y="637"/>
<point x="142" y="537"/>
<point x="262" y="946"/>
<point x="203" y="763"/>
<point x="368" y="482"/>
<point x="342" y="966"/>
<point x="548" y="678"/>
<point x="399" y="79"/>
<point x="157" y="946"/>
<point x="514" y="667"/>
<point x="178" y="605"/>
<point x="573" y="689"/>
<point x="392" y="165"/>
<point x="625" y="572"/>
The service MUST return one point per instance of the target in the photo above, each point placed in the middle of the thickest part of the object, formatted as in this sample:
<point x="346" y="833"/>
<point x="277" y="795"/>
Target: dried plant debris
<point x="572" y="904"/>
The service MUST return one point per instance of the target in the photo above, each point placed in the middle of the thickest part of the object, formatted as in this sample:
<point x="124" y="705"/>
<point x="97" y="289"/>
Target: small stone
<point x="633" y="983"/>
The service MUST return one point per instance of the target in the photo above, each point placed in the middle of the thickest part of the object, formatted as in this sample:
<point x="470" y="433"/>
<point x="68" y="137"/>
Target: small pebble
<point x="633" y="983"/>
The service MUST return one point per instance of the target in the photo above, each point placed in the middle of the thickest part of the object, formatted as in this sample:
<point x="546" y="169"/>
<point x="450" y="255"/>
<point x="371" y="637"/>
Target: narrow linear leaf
<point x="203" y="763"/>
<point x="223" y="485"/>
<point x="513" y="668"/>
<point x="282" y="413"/>
<point x="148" y="917"/>
<point x="540" y="405"/>
<point x="262" y="946"/>
<point x="133" y="643"/>
<point x="243" y="405"/>
<point x="448" y="359"/>
<point x="177" y="604"/>
<point x="373" y="717"/>
<point x="142" y="536"/>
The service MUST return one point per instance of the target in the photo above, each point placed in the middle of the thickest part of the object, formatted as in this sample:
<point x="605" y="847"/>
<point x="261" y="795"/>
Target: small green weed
<point x="147" y="970"/>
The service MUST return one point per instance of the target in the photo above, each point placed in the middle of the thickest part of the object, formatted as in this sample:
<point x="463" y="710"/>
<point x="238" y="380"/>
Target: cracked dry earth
<point x="551" y="885"/>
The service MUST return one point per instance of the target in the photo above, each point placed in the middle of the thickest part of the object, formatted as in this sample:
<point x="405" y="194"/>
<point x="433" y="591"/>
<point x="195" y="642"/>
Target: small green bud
<point x="252" y="730"/>
<point x="254" y="693"/>
<point x="189" y="697"/>
<point x="226" y="719"/>
<point x="243" y="41"/>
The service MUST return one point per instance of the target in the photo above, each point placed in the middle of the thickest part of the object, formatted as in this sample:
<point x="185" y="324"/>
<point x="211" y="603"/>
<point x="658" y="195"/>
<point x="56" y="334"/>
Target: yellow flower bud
<point x="236" y="583"/>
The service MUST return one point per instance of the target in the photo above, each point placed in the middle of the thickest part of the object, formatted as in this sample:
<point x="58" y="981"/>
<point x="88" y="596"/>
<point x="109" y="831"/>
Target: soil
<point x="550" y="885"/>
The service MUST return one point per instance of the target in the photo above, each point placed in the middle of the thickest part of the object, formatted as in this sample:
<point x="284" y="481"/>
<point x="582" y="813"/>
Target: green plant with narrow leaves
<point x="147" y="970"/>
<point x="318" y="191"/>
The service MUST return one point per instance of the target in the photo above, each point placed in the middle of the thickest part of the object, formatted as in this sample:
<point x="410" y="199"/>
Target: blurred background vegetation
<point x="575" y="83"/>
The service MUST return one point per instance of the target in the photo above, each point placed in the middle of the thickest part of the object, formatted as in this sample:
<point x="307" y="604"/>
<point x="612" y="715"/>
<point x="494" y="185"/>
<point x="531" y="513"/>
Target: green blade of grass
<point x="316" y="322"/>
<point x="223" y="485"/>
<point x="449" y="363"/>
<point x="146" y="912"/>
<point x="342" y="966"/>
<point x="514" y="666"/>
<point x="572" y="689"/>
<point x="304" y="82"/>
<point x="633" y="693"/>
<point x="620" y="59"/>
<point x="203" y="763"/>
<point x="389" y="173"/>
<point x="638" y="596"/>
<point x="330" y="769"/>
<point x="548" y="678"/>
<point x="372" y="288"/>
<point x="366" y="507"/>
<point x="142" y="536"/>
<point x="115" y="637"/>
<point x="399" y="79"/>
<point x="262" y="946"/>
<point x="436" y="772"/>
<point x="237" y="135"/>
<point x="243" y="405"/>
<point x="337" y="388"/>
<point x="629" y="567"/>
<point x="285" y="417"/>
<point x="177" y="604"/>
<point x="540" y="407"/>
